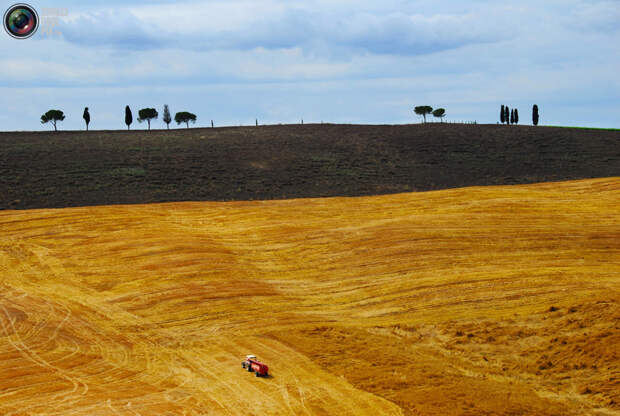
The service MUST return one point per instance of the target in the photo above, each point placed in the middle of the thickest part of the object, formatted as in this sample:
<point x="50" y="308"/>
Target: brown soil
<point x="47" y="170"/>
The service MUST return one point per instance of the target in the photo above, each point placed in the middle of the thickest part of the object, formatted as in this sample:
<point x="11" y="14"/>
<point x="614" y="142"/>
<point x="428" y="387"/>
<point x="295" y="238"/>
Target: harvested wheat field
<point x="474" y="301"/>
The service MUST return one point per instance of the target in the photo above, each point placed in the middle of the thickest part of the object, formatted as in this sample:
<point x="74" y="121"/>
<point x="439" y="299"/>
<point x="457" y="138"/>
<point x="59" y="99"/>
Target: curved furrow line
<point x="235" y="390"/>
<point x="335" y="398"/>
<point x="31" y="355"/>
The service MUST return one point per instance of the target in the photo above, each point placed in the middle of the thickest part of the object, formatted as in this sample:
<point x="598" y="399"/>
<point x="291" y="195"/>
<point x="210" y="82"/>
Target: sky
<point x="337" y="61"/>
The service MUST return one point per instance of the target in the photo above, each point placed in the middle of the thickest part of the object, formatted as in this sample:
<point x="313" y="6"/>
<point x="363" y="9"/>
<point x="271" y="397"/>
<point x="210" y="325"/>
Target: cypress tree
<point x="516" y="116"/>
<point x="86" y="117"/>
<point x="506" y="114"/>
<point x="502" y="116"/>
<point x="512" y="116"/>
<point x="167" y="118"/>
<point x="535" y="115"/>
<point x="128" y="117"/>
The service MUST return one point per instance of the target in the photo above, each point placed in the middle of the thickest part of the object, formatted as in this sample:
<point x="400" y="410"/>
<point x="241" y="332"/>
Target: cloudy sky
<point x="344" y="61"/>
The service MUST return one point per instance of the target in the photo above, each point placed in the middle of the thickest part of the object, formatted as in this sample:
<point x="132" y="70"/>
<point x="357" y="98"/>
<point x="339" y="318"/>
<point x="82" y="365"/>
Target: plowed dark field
<point x="64" y="169"/>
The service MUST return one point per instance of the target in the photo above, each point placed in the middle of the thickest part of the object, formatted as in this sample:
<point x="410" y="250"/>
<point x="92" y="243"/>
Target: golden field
<point x="475" y="301"/>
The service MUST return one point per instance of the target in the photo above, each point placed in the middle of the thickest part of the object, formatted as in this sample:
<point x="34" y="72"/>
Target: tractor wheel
<point x="250" y="368"/>
<point x="257" y="374"/>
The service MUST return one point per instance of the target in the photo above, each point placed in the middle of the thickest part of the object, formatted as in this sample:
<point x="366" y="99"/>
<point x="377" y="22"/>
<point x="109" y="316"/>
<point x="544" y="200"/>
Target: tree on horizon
<point x="516" y="116"/>
<point x="423" y="110"/>
<point x="439" y="113"/>
<point x="52" y="116"/>
<point x="535" y="115"/>
<point x="512" y="116"/>
<point x="185" y="117"/>
<point x="506" y="114"/>
<point x="147" y="114"/>
<point x="128" y="117"/>
<point x="86" y="117"/>
<point x="166" y="117"/>
<point x="502" y="115"/>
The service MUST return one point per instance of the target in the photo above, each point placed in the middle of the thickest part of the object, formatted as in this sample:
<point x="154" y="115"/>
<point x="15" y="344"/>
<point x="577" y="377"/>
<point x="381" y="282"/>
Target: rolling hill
<point x="76" y="168"/>
<point x="499" y="300"/>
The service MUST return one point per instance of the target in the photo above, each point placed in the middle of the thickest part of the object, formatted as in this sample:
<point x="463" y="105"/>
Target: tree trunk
<point x="55" y="126"/>
<point x="187" y="124"/>
<point x="149" y="121"/>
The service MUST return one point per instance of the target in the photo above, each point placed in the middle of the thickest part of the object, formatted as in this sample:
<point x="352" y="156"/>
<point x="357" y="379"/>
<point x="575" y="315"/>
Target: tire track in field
<point x="347" y="402"/>
<point x="181" y="352"/>
<point x="222" y="374"/>
<point x="35" y="358"/>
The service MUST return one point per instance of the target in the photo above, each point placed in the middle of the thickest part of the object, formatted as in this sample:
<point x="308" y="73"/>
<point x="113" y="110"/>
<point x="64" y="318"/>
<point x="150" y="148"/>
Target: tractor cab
<point x="251" y="363"/>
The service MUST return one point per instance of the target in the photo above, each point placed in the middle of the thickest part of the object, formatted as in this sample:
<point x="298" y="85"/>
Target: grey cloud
<point x="117" y="28"/>
<point x="402" y="34"/>
<point x="594" y="16"/>
<point x="312" y="31"/>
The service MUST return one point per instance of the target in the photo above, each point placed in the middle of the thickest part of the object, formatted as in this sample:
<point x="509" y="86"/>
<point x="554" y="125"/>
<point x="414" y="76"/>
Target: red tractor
<point x="252" y="364"/>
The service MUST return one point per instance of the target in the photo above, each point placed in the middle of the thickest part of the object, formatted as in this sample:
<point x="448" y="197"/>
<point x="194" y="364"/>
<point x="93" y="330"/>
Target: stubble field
<point x="473" y="301"/>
